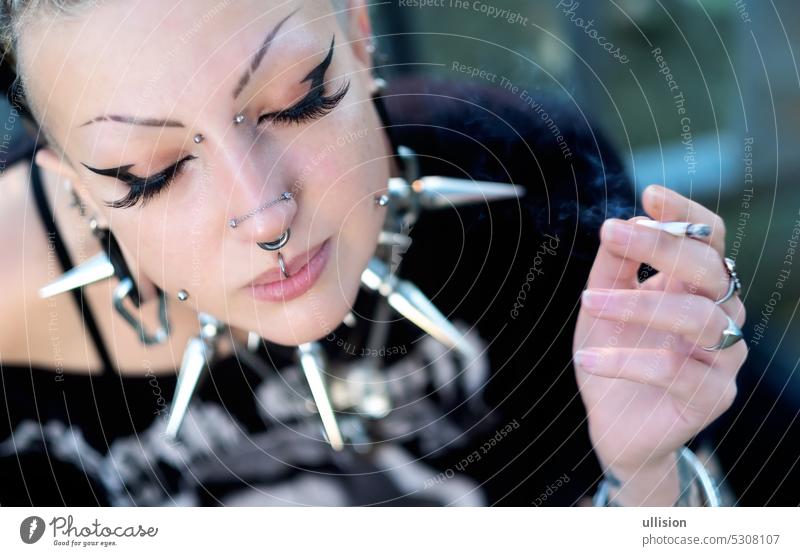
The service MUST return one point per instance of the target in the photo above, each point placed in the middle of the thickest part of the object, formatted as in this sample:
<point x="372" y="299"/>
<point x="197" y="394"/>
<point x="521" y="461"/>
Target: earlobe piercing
<point x="183" y="295"/>
<point x="382" y="200"/>
<point x="198" y="138"/>
<point x="378" y="86"/>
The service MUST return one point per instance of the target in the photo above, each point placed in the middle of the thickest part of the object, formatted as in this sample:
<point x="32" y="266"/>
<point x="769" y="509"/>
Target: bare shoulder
<point x="23" y="262"/>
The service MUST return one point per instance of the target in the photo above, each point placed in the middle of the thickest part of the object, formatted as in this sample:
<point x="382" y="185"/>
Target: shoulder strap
<point x="66" y="263"/>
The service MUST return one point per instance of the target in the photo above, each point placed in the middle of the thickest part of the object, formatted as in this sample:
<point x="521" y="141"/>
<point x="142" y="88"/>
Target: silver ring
<point x="734" y="284"/>
<point x="730" y="336"/>
<point x="278" y="243"/>
<point x="282" y="265"/>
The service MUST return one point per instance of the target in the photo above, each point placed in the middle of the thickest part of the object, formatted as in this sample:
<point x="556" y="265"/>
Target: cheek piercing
<point x="198" y="138"/>
<point x="183" y="295"/>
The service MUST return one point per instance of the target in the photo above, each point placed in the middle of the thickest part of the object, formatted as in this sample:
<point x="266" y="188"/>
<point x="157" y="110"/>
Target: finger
<point x="694" y="317"/>
<point x="693" y="262"/>
<point x="611" y="270"/>
<point x="736" y="310"/>
<point x="688" y="379"/>
<point x="666" y="205"/>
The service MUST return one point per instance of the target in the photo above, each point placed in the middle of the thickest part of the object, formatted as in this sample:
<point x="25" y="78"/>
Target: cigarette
<point x="688" y="229"/>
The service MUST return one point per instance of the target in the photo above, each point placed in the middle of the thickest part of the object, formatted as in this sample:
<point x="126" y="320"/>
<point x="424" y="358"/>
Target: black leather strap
<point x="66" y="263"/>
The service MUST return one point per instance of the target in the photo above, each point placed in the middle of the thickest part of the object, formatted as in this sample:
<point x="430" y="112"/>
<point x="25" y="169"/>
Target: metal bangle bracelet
<point x="690" y="470"/>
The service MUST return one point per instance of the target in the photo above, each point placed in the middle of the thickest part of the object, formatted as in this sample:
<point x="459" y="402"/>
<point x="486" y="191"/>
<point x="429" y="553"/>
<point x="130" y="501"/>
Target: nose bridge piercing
<point x="285" y="196"/>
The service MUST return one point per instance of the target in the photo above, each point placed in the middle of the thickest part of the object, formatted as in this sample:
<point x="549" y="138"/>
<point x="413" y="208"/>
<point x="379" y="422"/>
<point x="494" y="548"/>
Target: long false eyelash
<point x="315" y="104"/>
<point x="142" y="188"/>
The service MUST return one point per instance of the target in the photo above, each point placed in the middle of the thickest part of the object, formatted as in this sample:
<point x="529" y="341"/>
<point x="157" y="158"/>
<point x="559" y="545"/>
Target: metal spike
<point x="394" y="238"/>
<point x="311" y="361"/>
<point x="410" y="302"/>
<point x="93" y="270"/>
<point x="253" y="342"/>
<point x="433" y="192"/>
<point x="196" y="359"/>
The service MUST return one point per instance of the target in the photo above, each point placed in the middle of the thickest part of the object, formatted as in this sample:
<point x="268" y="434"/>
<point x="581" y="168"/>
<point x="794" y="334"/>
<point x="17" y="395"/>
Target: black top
<point x="507" y="429"/>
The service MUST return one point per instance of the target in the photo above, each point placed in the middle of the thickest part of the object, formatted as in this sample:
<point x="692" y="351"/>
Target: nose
<point x="261" y="203"/>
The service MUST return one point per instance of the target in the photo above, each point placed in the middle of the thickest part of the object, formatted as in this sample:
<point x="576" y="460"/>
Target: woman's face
<point x="131" y="85"/>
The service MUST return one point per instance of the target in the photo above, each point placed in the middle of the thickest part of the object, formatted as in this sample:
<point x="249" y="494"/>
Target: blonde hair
<point x="15" y="14"/>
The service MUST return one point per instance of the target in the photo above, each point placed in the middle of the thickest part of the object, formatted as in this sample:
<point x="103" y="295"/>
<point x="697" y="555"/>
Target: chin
<point x="317" y="313"/>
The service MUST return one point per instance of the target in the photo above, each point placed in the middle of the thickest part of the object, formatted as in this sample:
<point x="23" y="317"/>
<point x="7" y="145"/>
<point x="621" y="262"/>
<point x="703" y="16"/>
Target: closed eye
<point x="315" y="103"/>
<point x="141" y="188"/>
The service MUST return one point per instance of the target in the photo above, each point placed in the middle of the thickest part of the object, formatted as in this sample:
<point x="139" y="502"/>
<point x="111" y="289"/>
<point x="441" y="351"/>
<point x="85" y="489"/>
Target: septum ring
<point x="285" y="196"/>
<point x="278" y="243"/>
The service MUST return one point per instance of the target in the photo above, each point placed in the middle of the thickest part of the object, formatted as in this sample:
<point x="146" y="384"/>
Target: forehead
<point x="133" y="56"/>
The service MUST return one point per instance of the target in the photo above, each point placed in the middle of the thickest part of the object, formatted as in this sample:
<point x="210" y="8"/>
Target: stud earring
<point x="183" y="295"/>
<point x="378" y="86"/>
<point x="238" y="119"/>
<point x="382" y="200"/>
<point x="198" y="138"/>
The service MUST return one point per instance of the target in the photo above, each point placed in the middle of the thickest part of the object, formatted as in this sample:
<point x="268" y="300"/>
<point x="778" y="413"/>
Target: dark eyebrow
<point x="147" y="122"/>
<point x="243" y="81"/>
<point x="259" y="55"/>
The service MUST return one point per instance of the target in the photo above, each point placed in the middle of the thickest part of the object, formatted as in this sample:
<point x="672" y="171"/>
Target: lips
<point x="274" y="275"/>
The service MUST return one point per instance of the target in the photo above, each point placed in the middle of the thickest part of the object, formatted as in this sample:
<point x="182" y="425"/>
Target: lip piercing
<point x="282" y="265"/>
<point x="278" y="243"/>
<point x="286" y="195"/>
<point x="238" y="119"/>
<point x="198" y="138"/>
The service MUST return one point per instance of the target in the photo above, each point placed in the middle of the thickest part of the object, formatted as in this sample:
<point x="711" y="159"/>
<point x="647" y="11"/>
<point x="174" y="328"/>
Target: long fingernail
<point x="619" y="232"/>
<point x="594" y="299"/>
<point x="586" y="359"/>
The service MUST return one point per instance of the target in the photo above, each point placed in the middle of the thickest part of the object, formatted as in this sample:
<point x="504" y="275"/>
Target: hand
<point x="647" y="384"/>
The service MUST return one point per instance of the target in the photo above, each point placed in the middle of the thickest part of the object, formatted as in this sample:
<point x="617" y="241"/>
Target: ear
<point x="360" y="31"/>
<point x="47" y="159"/>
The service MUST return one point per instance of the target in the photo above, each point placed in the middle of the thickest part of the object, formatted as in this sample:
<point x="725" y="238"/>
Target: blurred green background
<point x="734" y="63"/>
